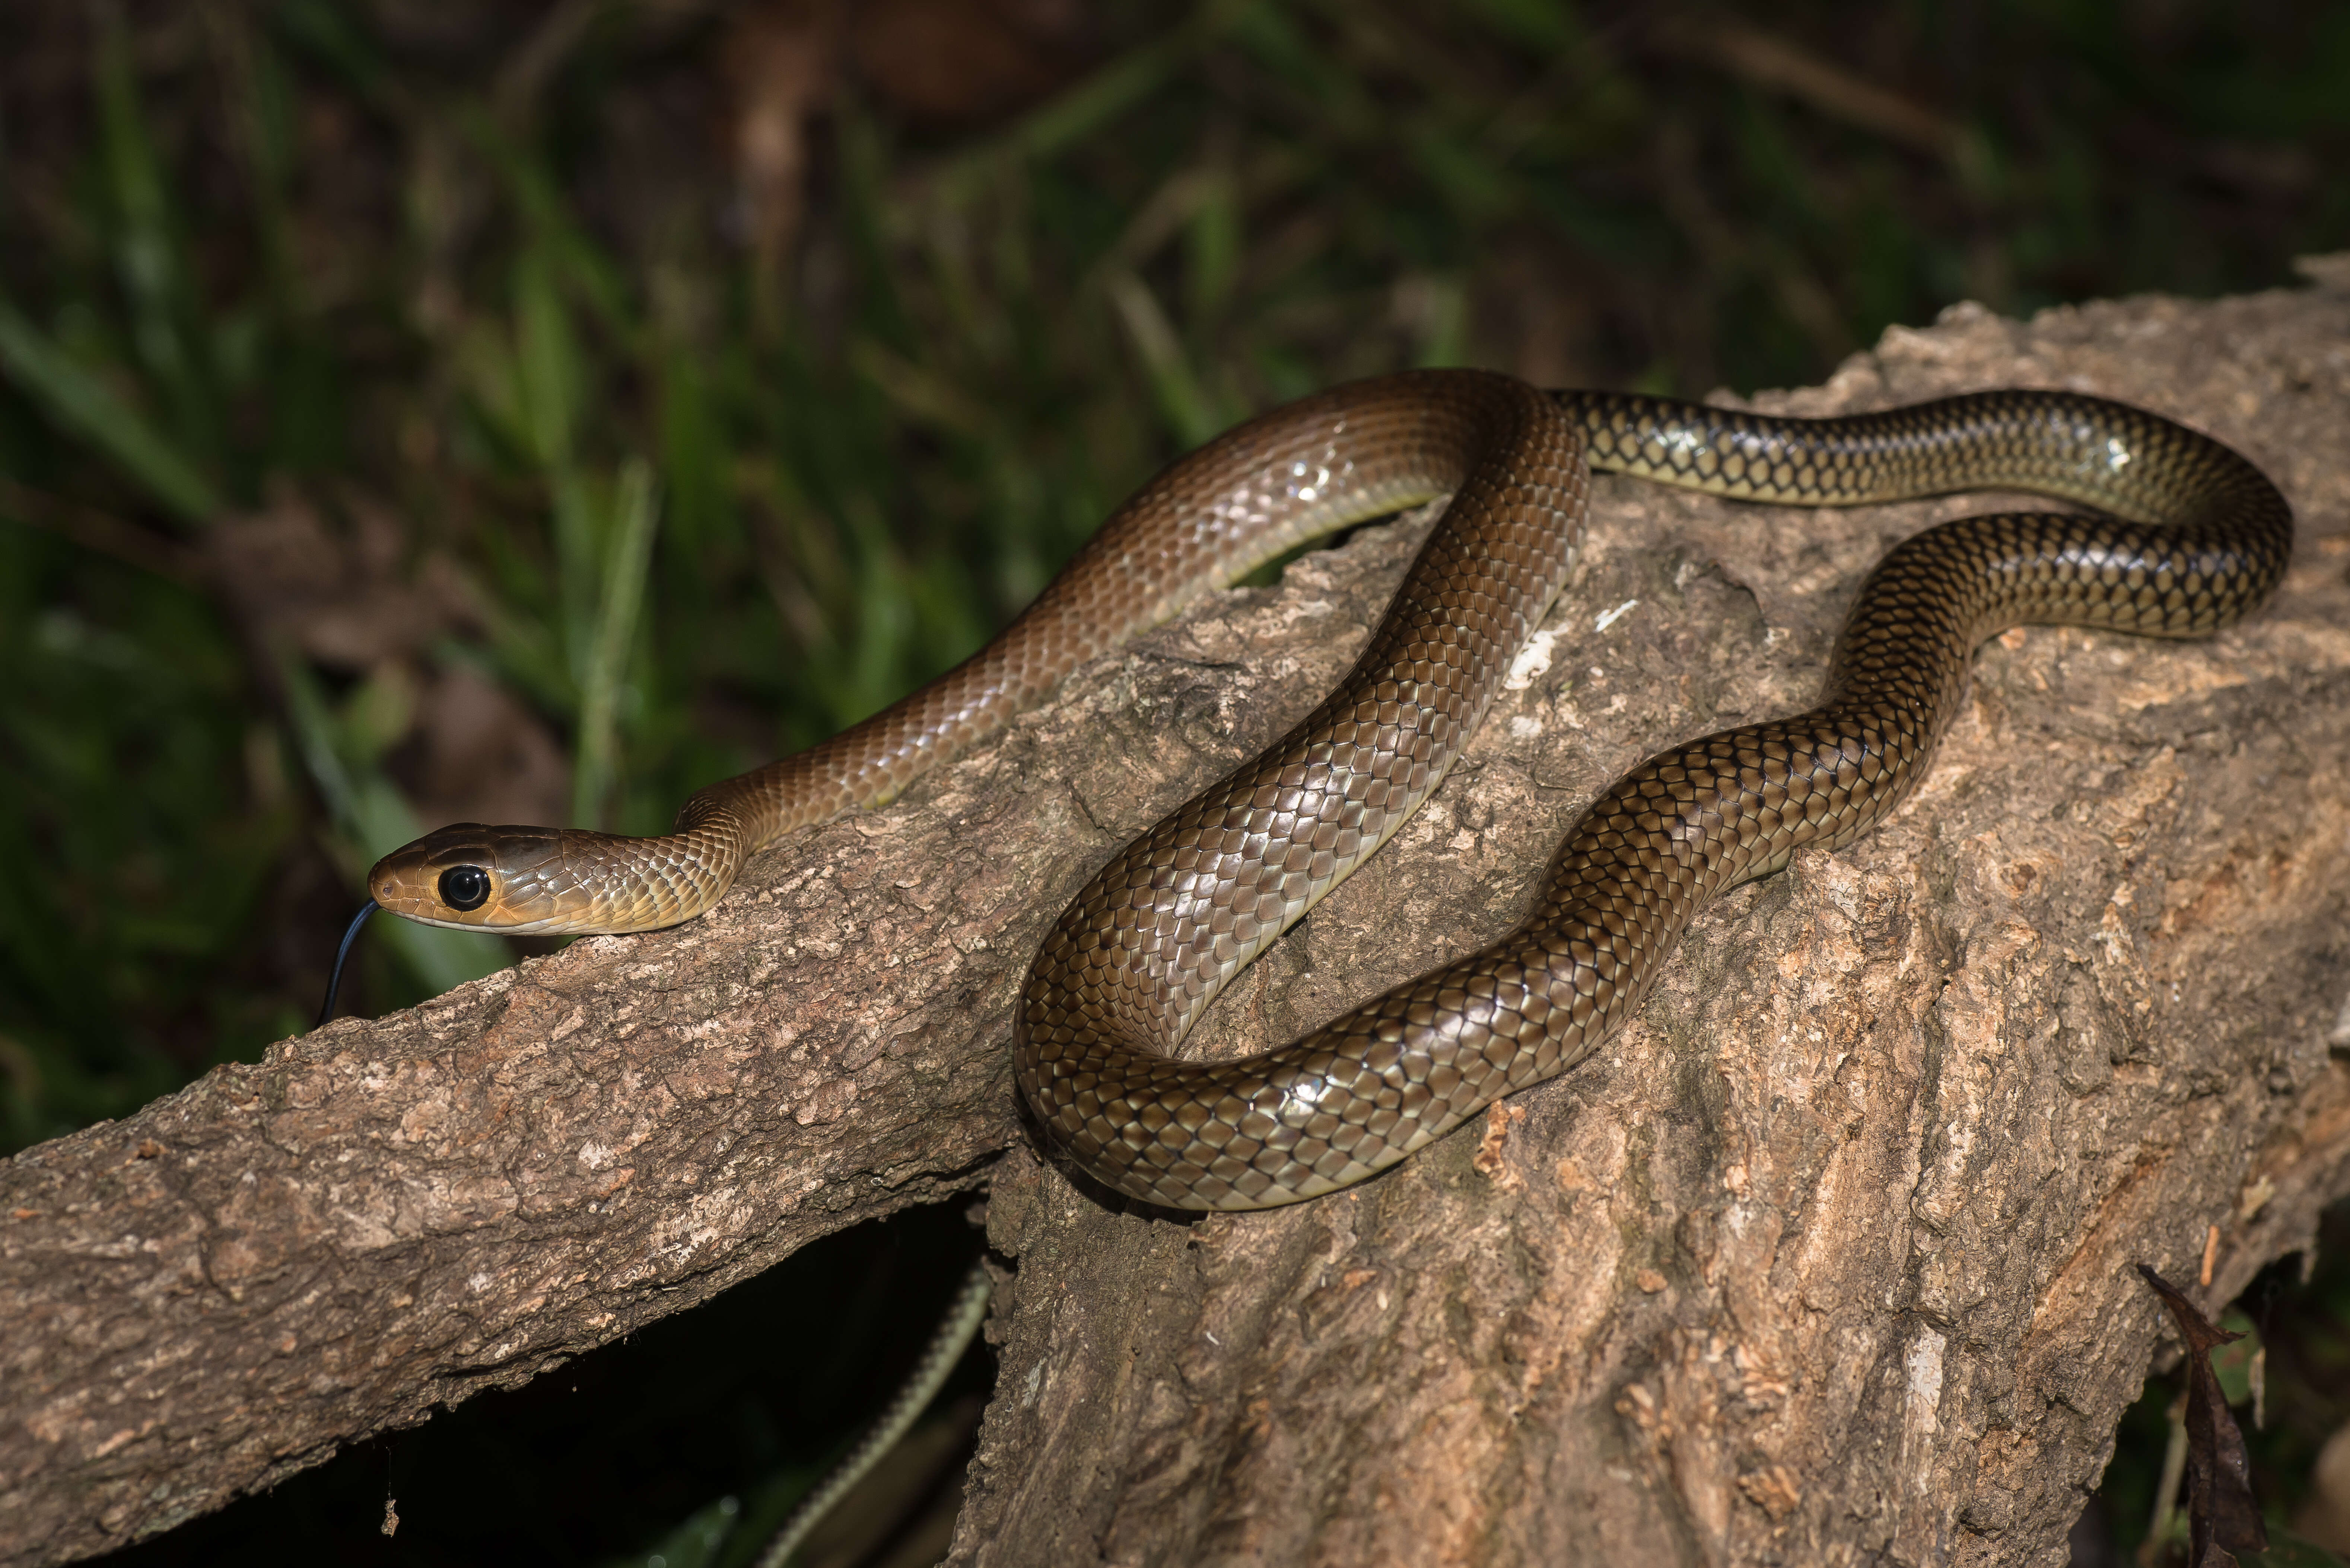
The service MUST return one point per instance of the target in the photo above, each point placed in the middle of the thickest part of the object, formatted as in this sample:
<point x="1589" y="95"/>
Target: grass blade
<point x="85" y="405"/>
<point x="1190" y="413"/>
<point x="149" y="256"/>
<point x="374" y="818"/>
<point x="625" y="572"/>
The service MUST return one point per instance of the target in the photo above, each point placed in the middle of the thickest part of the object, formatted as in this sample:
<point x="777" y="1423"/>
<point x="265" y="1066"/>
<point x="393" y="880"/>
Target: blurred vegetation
<point x="2288" y="1381"/>
<point x="413" y="412"/>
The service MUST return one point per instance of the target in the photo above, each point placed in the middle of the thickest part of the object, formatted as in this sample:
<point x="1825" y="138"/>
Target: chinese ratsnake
<point x="2188" y="537"/>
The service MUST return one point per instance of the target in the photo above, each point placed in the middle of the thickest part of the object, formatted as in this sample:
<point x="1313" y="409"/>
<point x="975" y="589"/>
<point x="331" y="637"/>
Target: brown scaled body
<point x="2191" y="537"/>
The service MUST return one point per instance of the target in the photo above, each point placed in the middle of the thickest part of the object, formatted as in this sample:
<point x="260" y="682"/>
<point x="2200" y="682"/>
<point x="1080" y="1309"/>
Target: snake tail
<point x="956" y="1329"/>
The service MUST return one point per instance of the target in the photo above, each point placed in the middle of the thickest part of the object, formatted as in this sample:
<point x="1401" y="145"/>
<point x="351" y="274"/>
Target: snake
<point x="2181" y="537"/>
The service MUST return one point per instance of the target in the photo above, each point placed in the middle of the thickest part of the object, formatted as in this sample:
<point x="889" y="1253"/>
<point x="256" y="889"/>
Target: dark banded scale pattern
<point x="2189" y="536"/>
<point x="1120" y="980"/>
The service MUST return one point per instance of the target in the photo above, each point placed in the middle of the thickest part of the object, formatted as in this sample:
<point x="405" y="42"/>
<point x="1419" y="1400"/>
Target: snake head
<point x="474" y="877"/>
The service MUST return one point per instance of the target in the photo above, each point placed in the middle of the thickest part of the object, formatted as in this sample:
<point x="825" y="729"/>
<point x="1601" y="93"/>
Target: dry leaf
<point x="2221" y="1511"/>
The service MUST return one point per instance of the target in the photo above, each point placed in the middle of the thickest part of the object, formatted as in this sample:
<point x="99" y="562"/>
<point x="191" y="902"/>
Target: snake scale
<point x="2186" y="537"/>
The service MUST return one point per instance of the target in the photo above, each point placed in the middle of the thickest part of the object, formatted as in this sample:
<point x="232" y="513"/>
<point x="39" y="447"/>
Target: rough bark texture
<point x="1823" y="1260"/>
<point x="1826" y="1259"/>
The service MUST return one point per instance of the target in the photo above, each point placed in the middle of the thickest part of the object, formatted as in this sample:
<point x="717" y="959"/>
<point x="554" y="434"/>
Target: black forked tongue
<point x="335" y="980"/>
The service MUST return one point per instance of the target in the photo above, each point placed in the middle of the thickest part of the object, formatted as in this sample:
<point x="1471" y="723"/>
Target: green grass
<point x="695" y="508"/>
<point x="706" y="509"/>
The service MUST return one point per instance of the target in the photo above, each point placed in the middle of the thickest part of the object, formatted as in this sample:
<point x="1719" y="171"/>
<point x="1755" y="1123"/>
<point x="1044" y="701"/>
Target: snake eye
<point x="464" y="887"/>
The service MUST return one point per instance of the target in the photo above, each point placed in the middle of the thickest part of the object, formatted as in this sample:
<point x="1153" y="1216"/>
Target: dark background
<point x="414" y="413"/>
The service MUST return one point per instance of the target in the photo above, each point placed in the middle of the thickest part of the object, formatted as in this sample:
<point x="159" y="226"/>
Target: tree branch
<point x="1862" y="1180"/>
<point x="1827" y="1258"/>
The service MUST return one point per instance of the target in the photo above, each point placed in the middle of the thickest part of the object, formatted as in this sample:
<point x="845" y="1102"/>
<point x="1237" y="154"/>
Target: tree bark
<point x="1824" y="1259"/>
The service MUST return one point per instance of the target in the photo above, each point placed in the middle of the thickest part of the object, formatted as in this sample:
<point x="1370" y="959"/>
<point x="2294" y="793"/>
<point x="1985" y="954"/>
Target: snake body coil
<point x="2189" y="537"/>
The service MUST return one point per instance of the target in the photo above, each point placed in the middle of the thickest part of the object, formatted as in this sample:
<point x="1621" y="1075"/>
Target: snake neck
<point x="644" y="884"/>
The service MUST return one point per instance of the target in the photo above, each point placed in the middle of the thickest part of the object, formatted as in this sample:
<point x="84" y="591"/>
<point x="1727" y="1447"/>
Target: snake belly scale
<point x="2188" y="536"/>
